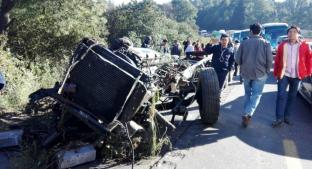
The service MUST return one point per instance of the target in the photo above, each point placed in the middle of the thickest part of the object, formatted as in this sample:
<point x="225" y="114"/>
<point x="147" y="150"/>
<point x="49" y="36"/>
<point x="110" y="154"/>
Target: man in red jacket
<point x="293" y="63"/>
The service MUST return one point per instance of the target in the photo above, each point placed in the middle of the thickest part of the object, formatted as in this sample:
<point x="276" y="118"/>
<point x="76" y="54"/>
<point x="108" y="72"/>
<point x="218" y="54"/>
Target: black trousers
<point x="235" y="69"/>
<point x="222" y="77"/>
<point x="1" y="86"/>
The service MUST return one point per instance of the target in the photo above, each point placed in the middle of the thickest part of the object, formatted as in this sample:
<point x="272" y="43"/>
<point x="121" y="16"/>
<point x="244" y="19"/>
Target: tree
<point x="238" y="17"/>
<point x="50" y="29"/>
<point x="184" y="11"/>
<point x="260" y="11"/>
<point x="6" y="7"/>
<point x="139" y="19"/>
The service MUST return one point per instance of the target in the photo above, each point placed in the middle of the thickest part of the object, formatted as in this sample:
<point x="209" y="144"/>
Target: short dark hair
<point x="255" y="28"/>
<point x="293" y="27"/>
<point x="224" y="36"/>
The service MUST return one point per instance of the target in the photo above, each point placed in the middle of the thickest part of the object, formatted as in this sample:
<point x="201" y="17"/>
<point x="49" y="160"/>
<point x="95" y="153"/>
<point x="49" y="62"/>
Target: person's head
<point x="147" y="39"/>
<point x="255" y="29"/>
<point x="176" y="43"/>
<point x="165" y="41"/>
<point x="236" y="41"/>
<point x="293" y="33"/>
<point x="224" y="40"/>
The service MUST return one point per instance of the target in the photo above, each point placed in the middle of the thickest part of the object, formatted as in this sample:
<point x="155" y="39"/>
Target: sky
<point x="118" y="2"/>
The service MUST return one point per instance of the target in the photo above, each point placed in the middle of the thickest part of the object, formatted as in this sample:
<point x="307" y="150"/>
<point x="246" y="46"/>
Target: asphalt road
<point x="228" y="145"/>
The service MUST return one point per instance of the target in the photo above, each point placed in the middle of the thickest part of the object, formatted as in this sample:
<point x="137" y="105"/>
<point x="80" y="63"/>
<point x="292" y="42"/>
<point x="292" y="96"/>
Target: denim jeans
<point x="253" y="93"/>
<point x="284" y="100"/>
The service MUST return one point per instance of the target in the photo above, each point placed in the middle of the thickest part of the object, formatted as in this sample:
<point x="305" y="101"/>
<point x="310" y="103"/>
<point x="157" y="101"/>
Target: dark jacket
<point x="176" y="50"/>
<point x="254" y="57"/>
<point x="222" y="59"/>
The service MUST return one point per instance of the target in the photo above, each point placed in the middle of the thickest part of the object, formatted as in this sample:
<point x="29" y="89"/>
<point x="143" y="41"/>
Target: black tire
<point x="208" y="96"/>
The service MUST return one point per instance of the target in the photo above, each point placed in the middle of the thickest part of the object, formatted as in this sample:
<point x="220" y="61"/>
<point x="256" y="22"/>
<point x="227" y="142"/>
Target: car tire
<point x="208" y="96"/>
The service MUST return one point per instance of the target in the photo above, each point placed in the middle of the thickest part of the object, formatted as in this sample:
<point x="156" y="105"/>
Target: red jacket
<point x="304" y="61"/>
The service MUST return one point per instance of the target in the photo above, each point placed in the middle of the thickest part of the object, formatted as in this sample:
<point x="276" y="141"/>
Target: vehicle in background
<point x="244" y="34"/>
<point x="284" y="38"/>
<point x="306" y="90"/>
<point x="236" y="35"/>
<point x="203" y="33"/>
<point x="271" y="32"/>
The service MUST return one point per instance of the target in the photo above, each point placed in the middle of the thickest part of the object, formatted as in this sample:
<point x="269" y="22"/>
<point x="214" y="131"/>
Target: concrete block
<point x="74" y="157"/>
<point x="10" y="138"/>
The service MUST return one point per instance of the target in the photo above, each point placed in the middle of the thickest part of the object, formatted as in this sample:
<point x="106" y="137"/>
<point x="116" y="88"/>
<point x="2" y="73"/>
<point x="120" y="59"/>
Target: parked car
<point x="281" y="39"/>
<point x="306" y="90"/>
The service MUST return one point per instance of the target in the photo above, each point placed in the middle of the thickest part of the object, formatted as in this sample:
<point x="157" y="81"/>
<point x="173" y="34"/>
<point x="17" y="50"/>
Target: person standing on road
<point x="176" y="48"/>
<point x="147" y="42"/>
<point x="236" y="46"/>
<point x="222" y="57"/>
<point x="186" y="43"/>
<point x="189" y="49"/>
<point x="2" y="82"/>
<point x="164" y="47"/>
<point x="255" y="59"/>
<point x="293" y="62"/>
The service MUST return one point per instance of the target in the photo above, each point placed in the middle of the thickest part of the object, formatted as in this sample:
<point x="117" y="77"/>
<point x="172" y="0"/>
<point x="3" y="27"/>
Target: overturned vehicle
<point x="124" y="90"/>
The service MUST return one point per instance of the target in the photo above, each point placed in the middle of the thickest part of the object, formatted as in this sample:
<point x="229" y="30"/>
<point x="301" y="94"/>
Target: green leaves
<point x="139" y="19"/>
<point x="51" y="28"/>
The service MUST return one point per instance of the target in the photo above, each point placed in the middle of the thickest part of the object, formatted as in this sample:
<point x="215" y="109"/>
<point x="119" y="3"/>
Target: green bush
<point x="50" y="29"/>
<point x="23" y="78"/>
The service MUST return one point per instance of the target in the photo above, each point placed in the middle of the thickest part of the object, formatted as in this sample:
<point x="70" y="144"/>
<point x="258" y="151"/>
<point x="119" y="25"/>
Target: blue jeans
<point x="284" y="101"/>
<point x="253" y="93"/>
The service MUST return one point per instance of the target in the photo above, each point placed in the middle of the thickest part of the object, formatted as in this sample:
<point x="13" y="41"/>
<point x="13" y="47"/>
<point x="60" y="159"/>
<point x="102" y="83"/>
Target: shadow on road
<point x="259" y="134"/>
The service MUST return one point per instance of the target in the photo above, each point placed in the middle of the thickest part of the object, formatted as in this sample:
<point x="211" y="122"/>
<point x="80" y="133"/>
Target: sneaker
<point x="286" y="120"/>
<point x="277" y="123"/>
<point x="246" y="120"/>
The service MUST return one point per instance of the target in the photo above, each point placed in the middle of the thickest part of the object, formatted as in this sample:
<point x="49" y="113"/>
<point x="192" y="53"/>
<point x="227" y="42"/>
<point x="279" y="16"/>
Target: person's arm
<point x="277" y="61"/>
<point x="231" y="61"/>
<point x="209" y="49"/>
<point x="269" y="58"/>
<point x="238" y="55"/>
<point x="309" y="61"/>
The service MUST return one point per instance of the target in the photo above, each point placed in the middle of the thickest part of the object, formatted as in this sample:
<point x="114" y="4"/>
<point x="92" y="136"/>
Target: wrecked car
<point x="124" y="89"/>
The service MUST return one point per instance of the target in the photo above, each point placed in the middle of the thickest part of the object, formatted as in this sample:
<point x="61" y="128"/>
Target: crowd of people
<point x="253" y="59"/>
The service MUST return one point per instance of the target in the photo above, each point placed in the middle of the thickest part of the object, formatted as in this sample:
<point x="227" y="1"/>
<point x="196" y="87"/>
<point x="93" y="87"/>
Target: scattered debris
<point x="112" y="100"/>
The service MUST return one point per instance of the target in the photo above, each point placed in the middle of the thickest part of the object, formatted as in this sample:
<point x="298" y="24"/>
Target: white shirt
<point x="292" y="58"/>
<point x="190" y="48"/>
